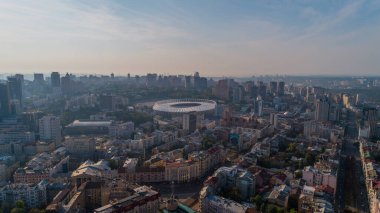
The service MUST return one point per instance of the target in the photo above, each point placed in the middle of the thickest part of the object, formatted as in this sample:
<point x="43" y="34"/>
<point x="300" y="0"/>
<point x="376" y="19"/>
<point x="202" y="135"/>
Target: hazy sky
<point x="214" y="37"/>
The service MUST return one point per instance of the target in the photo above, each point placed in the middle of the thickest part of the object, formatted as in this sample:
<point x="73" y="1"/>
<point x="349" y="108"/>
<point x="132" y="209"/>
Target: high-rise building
<point x="66" y="84"/>
<point x="222" y="89"/>
<point x="255" y="91"/>
<point x="191" y="122"/>
<point x="50" y="129"/>
<point x="188" y="84"/>
<point x="38" y="78"/>
<point x="262" y="89"/>
<point x="15" y="86"/>
<point x="273" y="87"/>
<point x="32" y="120"/>
<point x="346" y="100"/>
<point x="370" y="117"/>
<point x="55" y="78"/>
<point x="107" y="102"/>
<point x="281" y="88"/>
<point x="322" y="110"/>
<point x="4" y="100"/>
<point x="237" y="94"/>
<point x="259" y="106"/>
<point x="151" y="79"/>
<point x="334" y="112"/>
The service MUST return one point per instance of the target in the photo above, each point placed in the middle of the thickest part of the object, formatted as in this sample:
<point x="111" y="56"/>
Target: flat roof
<point x="78" y="123"/>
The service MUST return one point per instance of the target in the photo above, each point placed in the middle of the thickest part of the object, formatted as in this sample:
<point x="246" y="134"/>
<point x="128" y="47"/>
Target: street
<point x="351" y="194"/>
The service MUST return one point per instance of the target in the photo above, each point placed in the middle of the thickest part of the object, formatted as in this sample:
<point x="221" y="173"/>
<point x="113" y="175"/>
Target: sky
<point x="214" y="37"/>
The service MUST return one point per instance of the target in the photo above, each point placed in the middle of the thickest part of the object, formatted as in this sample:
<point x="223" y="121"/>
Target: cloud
<point x="73" y="20"/>
<point x="324" y="23"/>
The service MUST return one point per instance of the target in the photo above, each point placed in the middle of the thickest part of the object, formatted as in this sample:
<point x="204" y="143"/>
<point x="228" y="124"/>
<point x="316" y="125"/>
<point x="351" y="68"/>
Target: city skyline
<point x="242" y="38"/>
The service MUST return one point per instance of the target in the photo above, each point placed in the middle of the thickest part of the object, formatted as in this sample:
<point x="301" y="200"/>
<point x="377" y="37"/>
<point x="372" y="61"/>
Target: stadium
<point x="183" y="106"/>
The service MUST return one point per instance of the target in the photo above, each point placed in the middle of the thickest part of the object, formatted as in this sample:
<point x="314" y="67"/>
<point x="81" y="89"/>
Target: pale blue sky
<point x="215" y="37"/>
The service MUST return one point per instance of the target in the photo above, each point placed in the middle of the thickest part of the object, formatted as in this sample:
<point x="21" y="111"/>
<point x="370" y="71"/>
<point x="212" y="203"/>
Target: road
<point x="351" y="192"/>
<point x="182" y="190"/>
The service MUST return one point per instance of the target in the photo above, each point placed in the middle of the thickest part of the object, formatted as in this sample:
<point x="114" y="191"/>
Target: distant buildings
<point x="4" y="100"/>
<point x="50" y="129"/>
<point x="322" y="110"/>
<point x="281" y="88"/>
<point x="16" y="85"/>
<point x="38" y="78"/>
<point x="222" y="89"/>
<point x="67" y="84"/>
<point x="55" y="79"/>
<point x="273" y="87"/>
<point x="11" y="96"/>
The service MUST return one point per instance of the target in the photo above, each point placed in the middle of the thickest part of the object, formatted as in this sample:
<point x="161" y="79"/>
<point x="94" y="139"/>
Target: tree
<point x="113" y="164"/>
<point x="20" y="204"/>
<point x="310" y="158"/>
<point x="298" y="174"/>
<point x="292" y="148"/>
<point x="273" y="209"/>
<point x="258" y="200"/>
<point x="293" y="202"/>
<point x="20" y="207"/>
<point x="262" y="208"/>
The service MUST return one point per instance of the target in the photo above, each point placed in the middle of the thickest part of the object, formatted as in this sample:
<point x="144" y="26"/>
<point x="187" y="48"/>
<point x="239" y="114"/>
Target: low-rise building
<point x="91" y="171"/>
<point x="143" y="200"/>
<point x="222" y="179"/>
<point x="8" y="165"/>
<point x="323" y="176"/>
<point x="34" y="195"/>
<point x="80" y="147"/>
<point x="279" y="195"/>
<point x="182" y="171"/>
<point x="217" y="204"/>
<point x="43" y="166"/>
